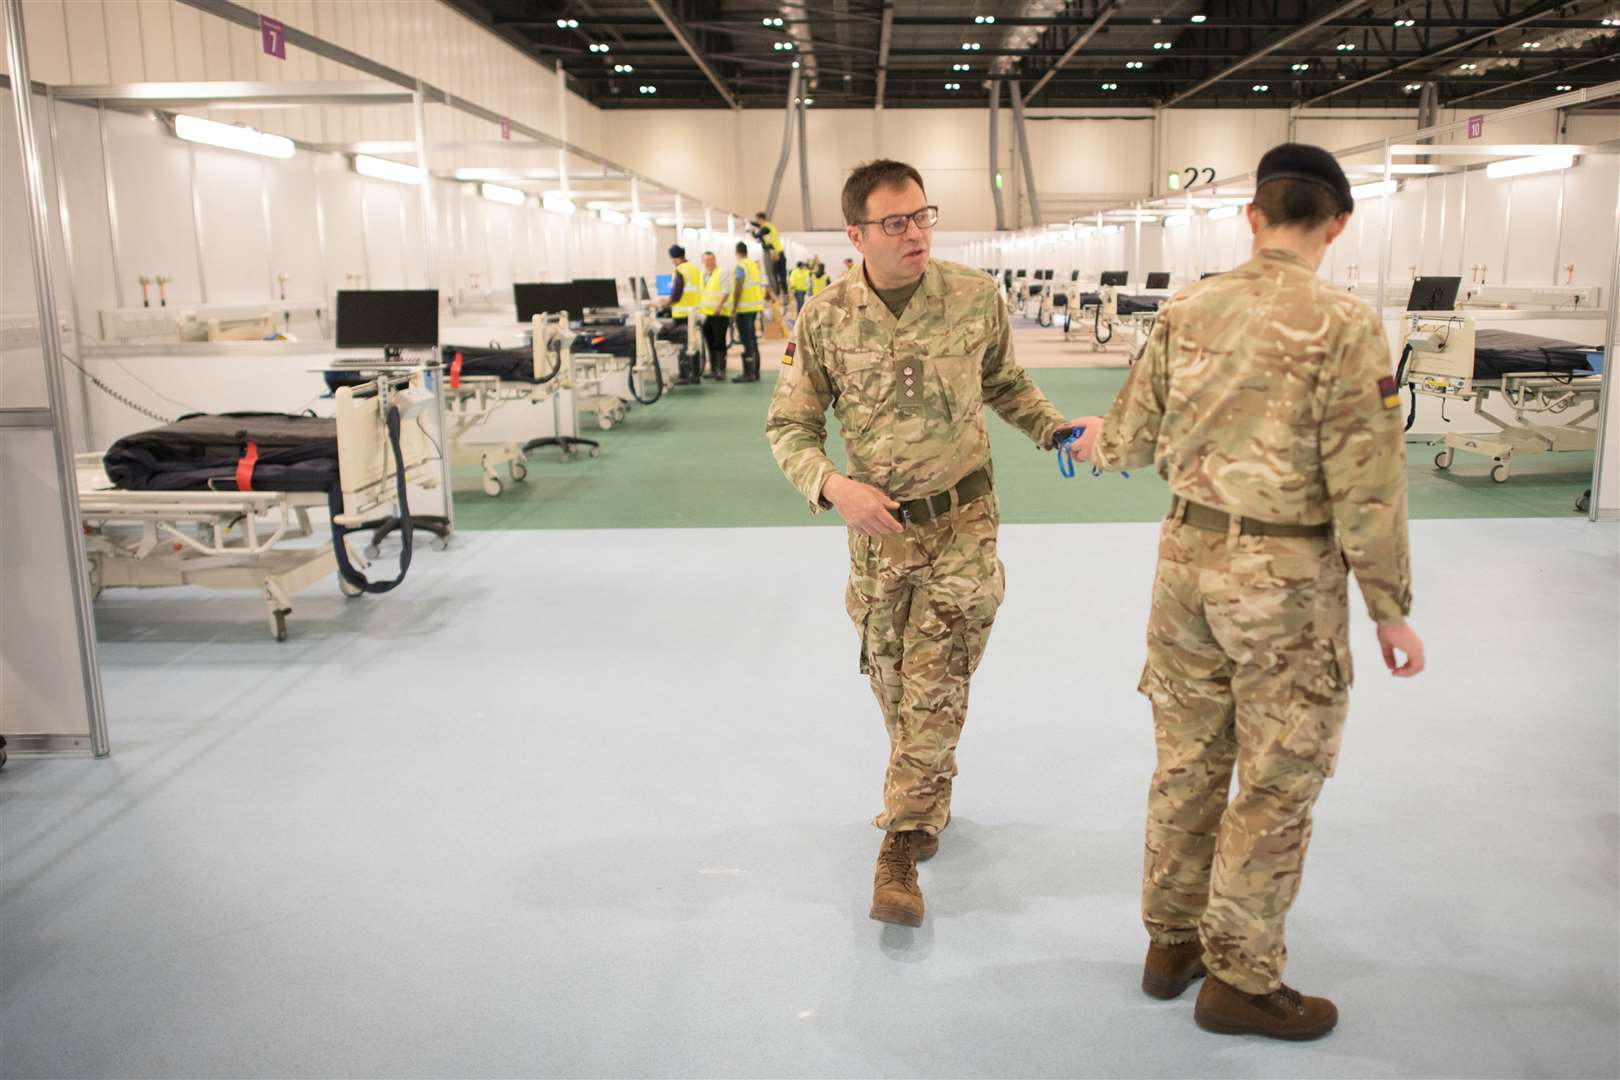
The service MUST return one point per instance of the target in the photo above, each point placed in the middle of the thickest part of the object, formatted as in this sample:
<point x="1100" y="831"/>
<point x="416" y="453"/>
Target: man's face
<point x="708" y="262"/>
<point x="900" y="258"/>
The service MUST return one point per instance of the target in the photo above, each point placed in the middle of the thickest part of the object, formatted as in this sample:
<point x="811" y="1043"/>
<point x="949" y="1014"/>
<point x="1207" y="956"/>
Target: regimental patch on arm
<point x="1389" y="392"/>
<point x="787" y="357"/>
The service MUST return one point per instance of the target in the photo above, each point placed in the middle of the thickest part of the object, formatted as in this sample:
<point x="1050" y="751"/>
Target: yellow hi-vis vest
<point x="818" y="282"/>
<point x="773" y="239"/>
<point x="717" y="293"/>
<point x="799" y="279"/>
<point x="753" y="288"/>
<point x="691" y="290"/>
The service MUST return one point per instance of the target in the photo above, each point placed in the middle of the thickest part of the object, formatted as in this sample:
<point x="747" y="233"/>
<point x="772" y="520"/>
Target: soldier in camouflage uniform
<point x="1264" y="397"/>
<point x="907" y="351"/>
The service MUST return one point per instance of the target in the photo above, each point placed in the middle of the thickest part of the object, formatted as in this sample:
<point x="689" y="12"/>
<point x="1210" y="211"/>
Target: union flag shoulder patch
<point x="787" y="357"/>
<point x="1389" y="392"/>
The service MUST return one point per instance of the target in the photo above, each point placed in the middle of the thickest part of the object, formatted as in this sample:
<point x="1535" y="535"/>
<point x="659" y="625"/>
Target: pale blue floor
<point x="594" y="803"/>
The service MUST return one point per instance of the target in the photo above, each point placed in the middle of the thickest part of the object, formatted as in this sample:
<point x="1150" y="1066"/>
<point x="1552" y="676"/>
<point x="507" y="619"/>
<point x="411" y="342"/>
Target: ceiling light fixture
<point x="568" y="24"/>
<point x="558" y="204"/>
<point x="1302" y="67"/>
<point x="1221" y="213"/>
<point x="382" y="169"/>
<point x="232" y="137"/>
<point x="1376" y="190"/>
<point x="1526" y="166"/>
<point x="612" y="217"/>
<point x="1261" y="88"/>
<point x="1564" y="89"/>
<point x="511" y="196"/>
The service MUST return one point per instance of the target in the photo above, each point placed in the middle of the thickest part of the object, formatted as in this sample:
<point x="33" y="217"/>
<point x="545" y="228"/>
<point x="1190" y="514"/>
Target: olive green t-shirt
<point x="897" y="299"/>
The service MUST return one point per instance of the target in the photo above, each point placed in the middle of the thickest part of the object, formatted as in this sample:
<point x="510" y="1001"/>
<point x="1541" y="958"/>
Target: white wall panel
<point x="87" y="42"/>
<point x="151" y="173"/>
<point x="124" y="46"/>
<point x="236" y="248"/>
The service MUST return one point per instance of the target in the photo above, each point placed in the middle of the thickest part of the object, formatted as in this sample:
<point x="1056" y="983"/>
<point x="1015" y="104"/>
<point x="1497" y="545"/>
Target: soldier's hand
<point x="1081" y="450"/>
<point x="862" y="506"/>
<point x="1400" y="636"/>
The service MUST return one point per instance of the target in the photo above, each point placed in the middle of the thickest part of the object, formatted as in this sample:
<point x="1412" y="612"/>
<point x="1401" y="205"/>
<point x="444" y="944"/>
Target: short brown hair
<point x="1295" y="203"/>
<point x="868" y="178"/>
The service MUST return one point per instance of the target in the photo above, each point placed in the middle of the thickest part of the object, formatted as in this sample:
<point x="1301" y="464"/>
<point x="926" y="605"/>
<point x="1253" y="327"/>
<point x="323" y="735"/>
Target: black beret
<point x="676" y="251"/>
<point x="1312" y="164"/>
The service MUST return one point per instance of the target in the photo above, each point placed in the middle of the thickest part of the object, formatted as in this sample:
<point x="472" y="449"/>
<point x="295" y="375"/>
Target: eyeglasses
<point x="895" y="224"/>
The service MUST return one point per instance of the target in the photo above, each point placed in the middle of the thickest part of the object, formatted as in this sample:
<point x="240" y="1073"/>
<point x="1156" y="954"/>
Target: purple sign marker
<point x="273" y="35"/>
<point x="1476" y="126"/>
<point x="506" y="129"/>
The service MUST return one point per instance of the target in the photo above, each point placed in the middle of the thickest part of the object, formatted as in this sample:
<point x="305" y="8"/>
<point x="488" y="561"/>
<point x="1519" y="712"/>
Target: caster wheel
<point x="440" y="543"/>
<point x="348" y="589"/>
<point x="568" y="455"/>
<point x="596" y="451"/>
<point x="1442" y="460"/>
<point x="1499" y="473"/>
<point x="493" y="486"/>
<point x="280" y="618"/>
<point x="519" y="471"/>
<point x="605" y="423"/>
<point x="1583" y="502"/>
<point x="372" y="551"/>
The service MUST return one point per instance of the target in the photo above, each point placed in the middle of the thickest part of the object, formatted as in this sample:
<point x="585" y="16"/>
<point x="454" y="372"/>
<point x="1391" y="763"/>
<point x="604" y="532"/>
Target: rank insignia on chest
<point x="1388" y="391"/>
<point x="787" y="357"/>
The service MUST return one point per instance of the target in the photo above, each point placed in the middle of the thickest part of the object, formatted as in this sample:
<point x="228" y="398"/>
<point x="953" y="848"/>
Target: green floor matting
<point x="698" y="459"/>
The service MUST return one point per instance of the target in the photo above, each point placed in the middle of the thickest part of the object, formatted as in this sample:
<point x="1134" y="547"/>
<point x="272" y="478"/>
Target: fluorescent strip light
<point x="641" y="221"/>
<point x="511" y="196"/>
<point x="611" y="216"/>
<point x="664" y="221"/>
<point x="1221" y="213"/>
<point x="1375" y="191"/>
<point x="1176" y="221"/>
<point x="597" y="204"/>
<point x="382" y="169"/>
<point x="232" y="137"/>
<point x="1527" y="166"/>
<point x="558" y="204"/>
<point x="1110" y="230"/>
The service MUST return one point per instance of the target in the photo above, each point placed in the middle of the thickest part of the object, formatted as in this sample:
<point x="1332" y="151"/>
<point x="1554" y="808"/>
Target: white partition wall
<point x="50" y="685"/>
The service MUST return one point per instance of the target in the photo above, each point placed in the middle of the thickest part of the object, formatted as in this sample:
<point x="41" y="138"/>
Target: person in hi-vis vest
<point x="718" y="306"/>
<point x="748" y="300"/>
<point x="684" y="297"/>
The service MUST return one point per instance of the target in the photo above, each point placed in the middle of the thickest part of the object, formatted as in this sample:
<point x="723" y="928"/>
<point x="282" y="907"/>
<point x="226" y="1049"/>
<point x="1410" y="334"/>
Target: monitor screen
<point x="538" y="298"/>
<point x="641" y="289"/>
<point x="1434" y="294"/>
<point x="1049" y="274"/>
<point x="598" y="292"/>
<point x="1158" y="281"/>
<point x="1074" y="275"/>
<point x="387" y="318"/>
<point x="1115" y="277"/>
<point x="664" y="284"/>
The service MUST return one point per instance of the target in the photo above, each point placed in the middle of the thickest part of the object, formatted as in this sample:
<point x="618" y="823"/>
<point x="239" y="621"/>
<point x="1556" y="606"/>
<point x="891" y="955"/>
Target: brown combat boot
<point x="896" y="898"/>
<point x="1284" y="1013"/>
<point x="1170" y="969"/>
<point x="928" y="846"/>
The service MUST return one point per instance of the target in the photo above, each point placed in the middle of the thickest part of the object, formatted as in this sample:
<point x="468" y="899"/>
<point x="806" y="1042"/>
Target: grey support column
<point x="995" y="154"/>
<point x="804" y="167"/>
<point x="787" y="146"/>
<point x="1023" y="150"/>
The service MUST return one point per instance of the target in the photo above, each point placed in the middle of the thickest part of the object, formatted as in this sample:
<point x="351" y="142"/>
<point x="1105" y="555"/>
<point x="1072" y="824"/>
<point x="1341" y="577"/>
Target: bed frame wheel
<point x="440" y="543"/>
<point x="605" y="422"/>
<point x="279" y="618"/>
<point x="493" y="486"/>
<point x="1583" y="502"/>
<point x="1499" y="472"/>
<point x="348" y="588"/>
<point x="1443" y="459"/>
<point x="596" y="451"/>
<point x="519" y="471"/>
<point x="373" y="551"/>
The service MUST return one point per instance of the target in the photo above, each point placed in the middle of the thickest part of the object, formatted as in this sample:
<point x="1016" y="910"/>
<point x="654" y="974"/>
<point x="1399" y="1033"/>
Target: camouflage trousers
<point x="1248" y="665"/>
<point x="923" y="601"/>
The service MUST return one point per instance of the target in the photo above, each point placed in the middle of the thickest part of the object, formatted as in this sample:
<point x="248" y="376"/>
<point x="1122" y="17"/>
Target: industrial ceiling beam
<point x="1280" y="43"/>
<point x="1104" y="13"/>
<point x="1455" y="46"/>
<point x="662" y="11"/>
<point x="884" y="34"/>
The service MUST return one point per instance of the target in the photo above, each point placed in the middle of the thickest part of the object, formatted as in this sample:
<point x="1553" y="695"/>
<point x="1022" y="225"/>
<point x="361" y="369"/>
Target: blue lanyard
<point x="1065" y="456"/>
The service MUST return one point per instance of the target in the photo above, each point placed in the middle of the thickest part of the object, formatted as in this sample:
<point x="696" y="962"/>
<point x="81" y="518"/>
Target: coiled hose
<point x="658" y="373"/>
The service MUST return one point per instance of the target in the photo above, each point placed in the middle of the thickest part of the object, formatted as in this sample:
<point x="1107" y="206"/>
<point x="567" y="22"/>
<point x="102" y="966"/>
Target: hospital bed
<point x="1446" y="356"/>
<point x="165" y="507"/>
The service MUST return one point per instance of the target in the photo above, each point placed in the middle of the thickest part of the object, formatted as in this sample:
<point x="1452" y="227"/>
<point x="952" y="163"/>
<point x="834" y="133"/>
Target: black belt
<point x="1204" y="517"/>
<point x="975" y="484"/>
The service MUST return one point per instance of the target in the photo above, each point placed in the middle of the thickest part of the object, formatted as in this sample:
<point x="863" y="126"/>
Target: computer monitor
<point x="641" y="289"/>
<point x="1023" y="273"/>
<point x="391" y="319"/>
<point x="542" y="297"/>
<point x="1158" y="281"/>
<point x="1115" y="278"/>
<point x="1074" y="275"/>
<point x="664" y="284"/>
<point x="597" y="292"/>
<point x="1050" y="274"/>
<point x="1434" y="294"/>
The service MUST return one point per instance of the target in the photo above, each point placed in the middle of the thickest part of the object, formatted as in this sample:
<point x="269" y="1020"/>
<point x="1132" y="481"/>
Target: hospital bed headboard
<point x="366" y="465"/>
<point x="1442" y="347"/>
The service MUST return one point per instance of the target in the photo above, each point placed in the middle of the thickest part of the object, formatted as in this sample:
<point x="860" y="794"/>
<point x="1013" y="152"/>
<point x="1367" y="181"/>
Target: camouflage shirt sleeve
<point x="1130" y="434"/>
<point x="796" y="424"/>
<point x="1363" y="453"/>
<point x="1009" y="390"/>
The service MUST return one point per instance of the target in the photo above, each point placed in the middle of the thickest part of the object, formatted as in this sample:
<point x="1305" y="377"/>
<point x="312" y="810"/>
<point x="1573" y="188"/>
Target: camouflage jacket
<point x="1267" y="393"/>
<point x="909" y="393"/>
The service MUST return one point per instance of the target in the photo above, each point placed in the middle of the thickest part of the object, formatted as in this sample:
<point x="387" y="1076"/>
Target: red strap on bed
<point x="455" y="373"/>
<point x="244" y="467"/>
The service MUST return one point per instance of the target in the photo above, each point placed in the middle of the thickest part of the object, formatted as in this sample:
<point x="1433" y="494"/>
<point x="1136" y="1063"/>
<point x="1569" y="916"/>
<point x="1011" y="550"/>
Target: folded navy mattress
<point x="228" y="452"/>
<point x="1505" y="352"/>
